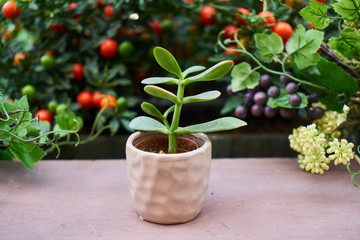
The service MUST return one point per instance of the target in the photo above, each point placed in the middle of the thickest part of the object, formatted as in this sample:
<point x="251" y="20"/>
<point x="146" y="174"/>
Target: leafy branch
<point x="300" y="49"/>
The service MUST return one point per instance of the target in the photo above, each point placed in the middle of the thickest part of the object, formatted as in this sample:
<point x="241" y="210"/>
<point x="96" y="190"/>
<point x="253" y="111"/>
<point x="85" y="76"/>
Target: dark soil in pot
<point x="160" y="145"/>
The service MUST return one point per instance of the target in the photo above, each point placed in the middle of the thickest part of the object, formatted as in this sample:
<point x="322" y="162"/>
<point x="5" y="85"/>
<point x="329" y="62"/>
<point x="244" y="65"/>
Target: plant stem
<point x="176" y="119"/>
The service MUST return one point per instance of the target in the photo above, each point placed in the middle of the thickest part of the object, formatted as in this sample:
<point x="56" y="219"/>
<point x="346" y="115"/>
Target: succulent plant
<point x="167" y="61"/>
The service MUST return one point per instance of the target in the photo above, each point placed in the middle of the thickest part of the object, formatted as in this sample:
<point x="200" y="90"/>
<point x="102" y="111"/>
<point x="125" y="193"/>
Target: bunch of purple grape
<point x="255" y="100"/>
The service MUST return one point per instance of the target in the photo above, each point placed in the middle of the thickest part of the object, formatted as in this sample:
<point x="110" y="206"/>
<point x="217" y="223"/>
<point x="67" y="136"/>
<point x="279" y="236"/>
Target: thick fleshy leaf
<point x="151" y="110"/>
<point x="144" y="123"/>
<point x="167" y="61"/>
<point x="212" y="73"/>
<point x="202" y="97"/>
<point x="221" y="124"/>
<point x="160" y="80"/>
<point x="160" y="93"/>
<point x="193" y="69"/>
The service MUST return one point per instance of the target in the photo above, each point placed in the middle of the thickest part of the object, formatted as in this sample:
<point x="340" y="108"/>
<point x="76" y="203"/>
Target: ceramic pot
<point x="168" y="188"/>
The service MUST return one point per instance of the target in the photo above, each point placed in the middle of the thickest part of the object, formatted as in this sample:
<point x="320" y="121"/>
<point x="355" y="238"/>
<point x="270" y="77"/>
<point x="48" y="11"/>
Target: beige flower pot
<point x="168" y="188"/>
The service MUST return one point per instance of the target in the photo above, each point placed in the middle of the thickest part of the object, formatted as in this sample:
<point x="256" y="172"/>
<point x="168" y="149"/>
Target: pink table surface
<point x="266" y="198"/>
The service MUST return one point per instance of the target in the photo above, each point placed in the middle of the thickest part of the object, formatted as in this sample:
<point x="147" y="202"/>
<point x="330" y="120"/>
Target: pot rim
<point x="137" y="134"/>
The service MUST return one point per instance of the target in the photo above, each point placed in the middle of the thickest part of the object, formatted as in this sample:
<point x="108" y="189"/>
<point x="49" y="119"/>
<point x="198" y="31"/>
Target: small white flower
<point x="341" y="151"/>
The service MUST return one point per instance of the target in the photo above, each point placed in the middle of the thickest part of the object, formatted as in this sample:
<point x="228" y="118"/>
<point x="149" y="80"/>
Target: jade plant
<point x="181" y="78"/>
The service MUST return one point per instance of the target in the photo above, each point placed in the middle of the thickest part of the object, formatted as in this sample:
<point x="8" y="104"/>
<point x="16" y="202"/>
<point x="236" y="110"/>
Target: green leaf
<point x="348" y="43"/>
<point x="151" y="110"/>
<point x="303" y="46"/>
<point x="160" y="80"/>
<point x="336" y="79"/>
<point x="268" y="46"/>
<point x="143" y="123"/>
<point x="213" y="73"/>
<point x="202" y="97"/>
<point x="283" y="100"/>
<point x="231" y="104"/>
<point x="348" y="9"/>
<point x="316" y="15"/>
<point x="243" y="77"/>
<point x="161" y="93"/>
<point x="221" y="124"/>
<point x="193" y="69"/>
<point x="29" y="159"/>
<point x="23" y="146"/>
<point x="167" y="61"/>
<point x="65" y="120"/>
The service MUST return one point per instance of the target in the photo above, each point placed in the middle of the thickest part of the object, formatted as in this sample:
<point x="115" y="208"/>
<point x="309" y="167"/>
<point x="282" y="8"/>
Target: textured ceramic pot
<point x="168" y="188"/>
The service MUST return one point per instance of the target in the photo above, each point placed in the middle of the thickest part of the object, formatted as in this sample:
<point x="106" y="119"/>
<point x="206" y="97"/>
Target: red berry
<point x="208" y="16"/>
<point x="44" y="115"/>
<point x="78" y="72"/>
<point x="108" y="11"/>
<point x="84" y="99"/>
<point x="269" y="18"/>
<point x="242" y="11"/>
<point x="108" y="48"/>
<point x="229" y="31"/>
<point x="10" y="10"/>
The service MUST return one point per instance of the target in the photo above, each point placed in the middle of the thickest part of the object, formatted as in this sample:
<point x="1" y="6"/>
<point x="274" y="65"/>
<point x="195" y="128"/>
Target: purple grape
<point x="248" y="99"/>
<point x="295" y="100"/>
<point x="257" y="110"/>
<point x="229" y="90"/>
<point x="254" y="90"/>
<point x="260" y="98"/>
<point x="287" y="112"/>
<point x="14" y="123"/>
<point x="273" y="91"/>
<point x="269" y="112"/>
<point x="316" y="113"/>
<point x="285" y="79"/>
<point x="241" y="112"/>
<point x="312" y="98"/>
<point x="31" y="137"/>
<point x="265" y="81"/>
<point x="292" y="87"/>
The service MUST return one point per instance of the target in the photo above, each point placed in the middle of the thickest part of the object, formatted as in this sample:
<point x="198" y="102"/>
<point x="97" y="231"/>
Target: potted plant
<point x="169" y="166"/>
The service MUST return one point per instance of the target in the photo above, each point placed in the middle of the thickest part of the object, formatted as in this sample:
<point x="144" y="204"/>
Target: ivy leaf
<point x="65" y="120"/>
<point x="335" y="78"/>
<point x="283" y="100"/>
<point x="29" y="159"/>
<point x="347" y="44"/>
<point x="316" y="15"/>
<point x="348" y="9"/>
<point x="268" y="46"/>
<point x="303" y="46"/>
<point x="231" y="104"/>
<point x="243" y="77"/>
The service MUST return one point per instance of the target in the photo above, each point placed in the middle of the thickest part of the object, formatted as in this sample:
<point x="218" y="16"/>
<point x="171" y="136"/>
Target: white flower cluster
<point x="317" y="144"/>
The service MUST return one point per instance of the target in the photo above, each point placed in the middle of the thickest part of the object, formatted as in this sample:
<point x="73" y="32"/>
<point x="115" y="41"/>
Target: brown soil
<point x="160" y="145"/>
